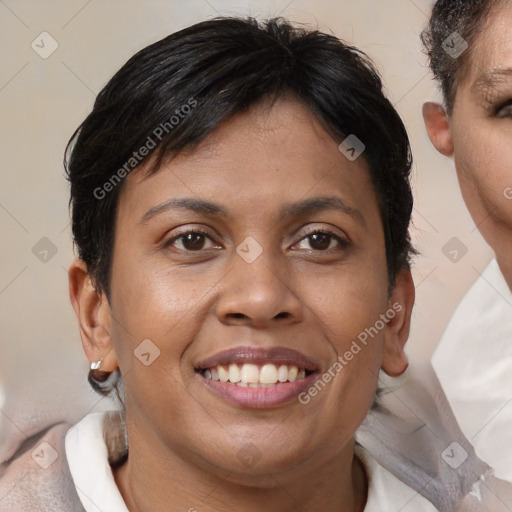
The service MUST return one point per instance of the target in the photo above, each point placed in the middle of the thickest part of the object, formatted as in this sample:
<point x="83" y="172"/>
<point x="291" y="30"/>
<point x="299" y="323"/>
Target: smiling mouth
<point x="254" y="375"/>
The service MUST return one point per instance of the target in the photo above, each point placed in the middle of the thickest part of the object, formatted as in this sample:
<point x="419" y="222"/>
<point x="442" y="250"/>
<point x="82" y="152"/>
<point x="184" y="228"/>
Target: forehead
<point x="257" y="157"/>
<point x="490" y="61"/>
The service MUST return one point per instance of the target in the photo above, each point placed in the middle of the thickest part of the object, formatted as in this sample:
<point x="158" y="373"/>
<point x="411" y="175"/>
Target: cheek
<point x="483" y="158"/>
<point x="154" y="324"/>
<point x="340" y="399"/>
<point x="152" y="295"/>
<point x="346" y="311"/>
<point x="350" y="298"/>
<point x="151" y="326"/>
<point x="348" y="307"/>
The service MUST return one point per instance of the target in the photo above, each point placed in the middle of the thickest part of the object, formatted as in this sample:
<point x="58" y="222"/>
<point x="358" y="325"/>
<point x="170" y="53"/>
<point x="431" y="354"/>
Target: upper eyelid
<point x="329" y="230"/>
<point x="492" y="95"/>
<point x="495" y="102"/>
<point x="493" y="87"/>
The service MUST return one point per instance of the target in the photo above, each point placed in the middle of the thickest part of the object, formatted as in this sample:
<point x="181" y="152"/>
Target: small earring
<point x="96" y="364"/>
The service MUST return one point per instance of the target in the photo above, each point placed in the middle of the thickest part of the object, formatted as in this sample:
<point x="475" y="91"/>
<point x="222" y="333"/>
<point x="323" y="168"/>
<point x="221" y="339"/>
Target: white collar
<point x="87" y="456"/>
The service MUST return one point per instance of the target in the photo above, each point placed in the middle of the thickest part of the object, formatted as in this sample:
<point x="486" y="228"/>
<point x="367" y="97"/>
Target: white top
<point x="474" y="364"/>
<point x="88" y="461"/>
<point x="87" y="457"/>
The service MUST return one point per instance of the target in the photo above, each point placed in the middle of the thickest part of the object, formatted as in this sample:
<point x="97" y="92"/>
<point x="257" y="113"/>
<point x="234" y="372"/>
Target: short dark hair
<point x="466" y="18"/>
<point x="189" y="82"/>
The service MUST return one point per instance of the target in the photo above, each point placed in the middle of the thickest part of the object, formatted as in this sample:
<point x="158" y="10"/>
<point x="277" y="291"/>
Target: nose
<point x="258" y="294"/>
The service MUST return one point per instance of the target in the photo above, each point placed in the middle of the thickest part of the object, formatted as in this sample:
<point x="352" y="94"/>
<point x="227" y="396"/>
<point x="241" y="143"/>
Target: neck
<point x="152" y="479"/>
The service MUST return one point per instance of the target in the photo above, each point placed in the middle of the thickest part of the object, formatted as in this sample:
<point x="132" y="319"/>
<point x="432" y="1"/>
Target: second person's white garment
<point x="473" y="362"/>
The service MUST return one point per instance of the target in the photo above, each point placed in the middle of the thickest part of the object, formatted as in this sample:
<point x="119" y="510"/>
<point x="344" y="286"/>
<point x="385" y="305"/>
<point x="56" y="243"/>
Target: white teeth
<point x="282" y="373"/>
<point x="223" y="373"/>
<point x="292" y="373"/>
<point x="268" y="374"/>
<point x="252" y="375"/>
<point x="234" y="373"/>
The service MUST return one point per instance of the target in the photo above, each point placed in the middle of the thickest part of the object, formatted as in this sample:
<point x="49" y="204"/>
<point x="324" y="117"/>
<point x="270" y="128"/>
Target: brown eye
<point x="191" y="241"/>
<point x="322" y="241"/>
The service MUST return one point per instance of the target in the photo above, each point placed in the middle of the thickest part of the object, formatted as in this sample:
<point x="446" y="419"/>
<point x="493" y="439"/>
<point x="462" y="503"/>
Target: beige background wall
<point x="42" y="101"/>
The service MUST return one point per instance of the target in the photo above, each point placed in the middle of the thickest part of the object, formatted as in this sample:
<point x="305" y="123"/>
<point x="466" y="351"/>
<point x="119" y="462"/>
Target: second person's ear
<point x="438" y="127"/>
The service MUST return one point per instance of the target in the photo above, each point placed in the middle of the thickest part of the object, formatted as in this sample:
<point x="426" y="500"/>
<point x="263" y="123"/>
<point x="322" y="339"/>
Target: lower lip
<point x="259" y="398"/>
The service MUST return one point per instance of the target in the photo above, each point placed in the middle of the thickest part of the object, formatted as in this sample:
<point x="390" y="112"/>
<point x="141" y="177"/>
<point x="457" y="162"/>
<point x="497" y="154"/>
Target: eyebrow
<point x="298" y="209"/>
<point x="491" y="79"/>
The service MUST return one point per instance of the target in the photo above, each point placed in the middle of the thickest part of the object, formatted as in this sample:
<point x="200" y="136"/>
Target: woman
<point x="469" y="44"/>
<point x="241" y="204"/>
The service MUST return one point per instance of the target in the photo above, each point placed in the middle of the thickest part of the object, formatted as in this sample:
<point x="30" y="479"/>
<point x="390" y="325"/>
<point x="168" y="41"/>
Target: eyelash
<point x="343" y="243"/>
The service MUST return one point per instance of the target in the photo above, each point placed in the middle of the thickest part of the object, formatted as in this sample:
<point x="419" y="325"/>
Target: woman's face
<point x="481" y="135"/>
<point x="257" y="290"/>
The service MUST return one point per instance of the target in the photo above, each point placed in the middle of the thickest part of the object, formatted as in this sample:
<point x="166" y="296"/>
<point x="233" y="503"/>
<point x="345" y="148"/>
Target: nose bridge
<point x="257" y="288"/>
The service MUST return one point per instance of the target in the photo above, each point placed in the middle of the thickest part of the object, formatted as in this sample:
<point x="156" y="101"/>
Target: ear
<point x="94" y="317"/>
<point x="396" y="332"/>
<point x="438" y="127"/>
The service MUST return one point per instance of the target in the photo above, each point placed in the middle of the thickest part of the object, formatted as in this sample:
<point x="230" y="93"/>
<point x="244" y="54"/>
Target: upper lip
<point x="258" y="355"/>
